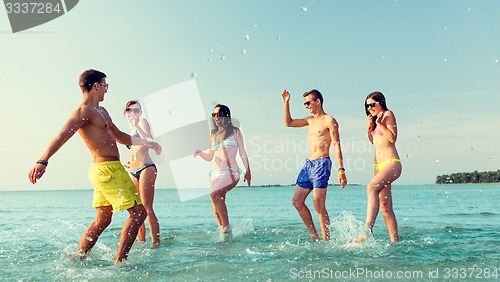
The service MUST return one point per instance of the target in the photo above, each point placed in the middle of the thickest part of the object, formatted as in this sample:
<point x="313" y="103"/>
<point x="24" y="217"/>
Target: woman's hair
<point x="378" y="97"/>
<point x="227" y="125"/>
<point x="130" y="103"/>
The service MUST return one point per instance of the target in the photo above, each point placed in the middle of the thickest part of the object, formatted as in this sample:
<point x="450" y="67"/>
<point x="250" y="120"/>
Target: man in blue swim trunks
<point x="113" y="189"/>
<point x="323" y="130"/>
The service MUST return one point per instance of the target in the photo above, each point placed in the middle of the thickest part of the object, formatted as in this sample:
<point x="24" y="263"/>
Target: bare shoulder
<point x="143" y="122"/>
<point x="307" y="118"/>
<point x="82" y="111"/>
<point x="330" y="120"/>
<point x="103" y="109"/>
<point x="389" y="115"/>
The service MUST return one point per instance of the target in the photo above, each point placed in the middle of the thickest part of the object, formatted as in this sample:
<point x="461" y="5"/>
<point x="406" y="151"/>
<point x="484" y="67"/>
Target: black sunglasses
<point x="371" y="105"/>
<point x="219" y="114"/>
<point x="307" y="103"/>
<point x="134" y="110"/>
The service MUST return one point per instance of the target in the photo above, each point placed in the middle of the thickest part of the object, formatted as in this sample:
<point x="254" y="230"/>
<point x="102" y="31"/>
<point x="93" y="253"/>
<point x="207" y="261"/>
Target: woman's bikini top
<point x="377" y="130"/>
<point x="229" y="142"/>
<point x="135" y="135"/>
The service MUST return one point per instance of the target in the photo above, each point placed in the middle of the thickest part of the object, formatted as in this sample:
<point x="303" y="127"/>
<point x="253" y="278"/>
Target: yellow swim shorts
<point x="112" y="186"/>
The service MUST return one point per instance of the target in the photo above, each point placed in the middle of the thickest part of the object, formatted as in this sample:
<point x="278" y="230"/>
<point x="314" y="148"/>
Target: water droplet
<point x="490" y="159"/>
<point x="437" y="161"/>
<point x="419" y="138"/>
<point x="278" y="37"/>
<point x="222" y="57"/>
<point x="408" y="156"/>
<point x="304" y="9"/>
<point x="496" y="61"/>
<point x="193" y="74"/>
<point x="247" y="37"/>
<point x="445" y="60"/>
<point x="171" y="111"/>
<point x="210" y="50"/>
<point x="243" y="51"/>
<point x="193" y="19"/>
<point x="89" y="239"/>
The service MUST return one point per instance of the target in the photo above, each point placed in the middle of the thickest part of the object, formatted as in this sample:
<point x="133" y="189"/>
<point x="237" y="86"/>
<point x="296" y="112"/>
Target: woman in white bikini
<point x="382" y="133"/>
<point x="142" y="170"/>
<point x="226" y="141"/>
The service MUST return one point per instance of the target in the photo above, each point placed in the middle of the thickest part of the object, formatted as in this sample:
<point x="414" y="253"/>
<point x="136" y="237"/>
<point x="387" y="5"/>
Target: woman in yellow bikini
<point x="226" y="141"/>
<point x="382" y="133"/>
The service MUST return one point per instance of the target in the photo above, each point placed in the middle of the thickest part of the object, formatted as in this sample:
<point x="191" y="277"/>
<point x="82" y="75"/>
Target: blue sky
<point x="437" y="62"/>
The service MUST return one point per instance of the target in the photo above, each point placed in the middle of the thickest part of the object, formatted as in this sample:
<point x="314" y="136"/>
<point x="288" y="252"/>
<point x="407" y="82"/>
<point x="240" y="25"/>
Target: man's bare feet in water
<point x="80" y="255"/>
<point x="364" y="237"/>
<point x="225" y="234"/>
<point x="360" y="239"/>
<point x="314" y="238"/>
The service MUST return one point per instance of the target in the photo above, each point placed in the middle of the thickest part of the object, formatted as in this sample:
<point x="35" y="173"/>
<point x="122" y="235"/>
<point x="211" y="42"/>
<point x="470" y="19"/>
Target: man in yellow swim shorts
<point x="113" y="189"/>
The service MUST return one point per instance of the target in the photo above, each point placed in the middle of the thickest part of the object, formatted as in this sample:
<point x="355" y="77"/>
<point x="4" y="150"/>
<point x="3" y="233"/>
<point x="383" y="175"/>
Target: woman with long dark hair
<point x="382" y="133"/>
<point x="226" y="141"/>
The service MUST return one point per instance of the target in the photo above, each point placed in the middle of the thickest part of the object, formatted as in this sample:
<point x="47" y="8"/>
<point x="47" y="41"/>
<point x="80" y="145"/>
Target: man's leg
<point x="129" y="231"/>
<point x="319" y="198"/>
<point x="94" y="230"/>
<point x="298" y="202"/>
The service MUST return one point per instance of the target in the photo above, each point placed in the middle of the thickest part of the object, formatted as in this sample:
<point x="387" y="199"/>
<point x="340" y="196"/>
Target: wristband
<point x="341" y="172"/>
<point x="341" y="169"/>
<point x="45" y="163"/>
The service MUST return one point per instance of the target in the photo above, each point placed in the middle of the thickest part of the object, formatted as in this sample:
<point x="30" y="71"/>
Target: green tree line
<point x="469" y="177"/>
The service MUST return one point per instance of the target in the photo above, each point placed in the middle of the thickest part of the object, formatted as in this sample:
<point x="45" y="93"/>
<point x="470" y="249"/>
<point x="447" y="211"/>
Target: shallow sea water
<point x="448" y="232"/>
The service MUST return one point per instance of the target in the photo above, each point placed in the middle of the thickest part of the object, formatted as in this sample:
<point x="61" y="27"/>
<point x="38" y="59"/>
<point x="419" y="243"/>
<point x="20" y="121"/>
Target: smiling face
<point x="216" y="116"/>
<point x="133" y="110"/>
<point x="373" y="107"/>
<point x="311" y="104"/>
<point x="375" y="103"/>
<point x="102" y="88"/>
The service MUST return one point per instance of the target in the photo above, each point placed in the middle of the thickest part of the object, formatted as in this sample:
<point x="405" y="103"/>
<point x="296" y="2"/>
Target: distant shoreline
<point x="475" y="177"/>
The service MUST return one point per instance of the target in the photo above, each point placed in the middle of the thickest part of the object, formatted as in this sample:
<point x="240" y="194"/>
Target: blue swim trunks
<point x="315" y="173"/>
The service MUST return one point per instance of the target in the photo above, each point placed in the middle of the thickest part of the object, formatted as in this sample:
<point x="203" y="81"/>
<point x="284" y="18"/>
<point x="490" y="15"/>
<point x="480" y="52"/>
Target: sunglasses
<point x="307" y="103"/>
<point x="134" y="110"/>
<point x="106" y="85"/>
<point x="216" y="114"/>
<point x="371" y="105"/>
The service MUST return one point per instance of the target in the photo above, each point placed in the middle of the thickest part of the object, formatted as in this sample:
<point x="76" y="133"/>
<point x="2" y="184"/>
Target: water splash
<point x="346" y="228"/>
